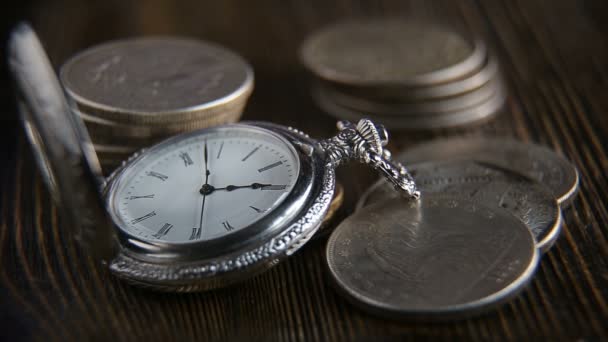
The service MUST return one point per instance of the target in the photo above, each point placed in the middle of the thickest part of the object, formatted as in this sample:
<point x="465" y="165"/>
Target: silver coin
<point x="488" y="184"/>
<point x="537" y="162"/>
<point x="477" y="114"/>
<point x="439" y="257"/>
<point x="396" y="93"/>
<point x="391" y="51"/>
<point x="150" y="78"/>
<point x="438" y="105"/>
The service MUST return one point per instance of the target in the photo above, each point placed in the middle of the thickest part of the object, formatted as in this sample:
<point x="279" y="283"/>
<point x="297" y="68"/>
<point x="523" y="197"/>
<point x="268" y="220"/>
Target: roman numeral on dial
<point x="196" y="234"/>
<point x="157" y="175"/>
<point x="227" y="226"/>
<point x="163" y="231"/>
<point x="147" y="216"/>
<point x="186" y="158"/>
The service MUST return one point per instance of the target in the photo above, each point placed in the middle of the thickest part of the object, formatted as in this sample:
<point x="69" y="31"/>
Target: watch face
<point x="205" y="186"/>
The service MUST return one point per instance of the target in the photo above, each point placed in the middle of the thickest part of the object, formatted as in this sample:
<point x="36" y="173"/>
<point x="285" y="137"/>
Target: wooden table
<point x="555" y="59"/>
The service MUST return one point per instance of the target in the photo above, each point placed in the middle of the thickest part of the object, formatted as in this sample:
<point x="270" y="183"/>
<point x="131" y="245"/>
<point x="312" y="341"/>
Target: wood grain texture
<point x="553" y="55"/>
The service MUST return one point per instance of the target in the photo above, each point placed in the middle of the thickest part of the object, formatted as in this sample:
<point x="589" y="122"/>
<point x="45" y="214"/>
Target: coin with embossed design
<point x="155" y="80"/>
<point x="439" y="257"/>
<point x="537" y="162"/>
<point x="488" y="184"/>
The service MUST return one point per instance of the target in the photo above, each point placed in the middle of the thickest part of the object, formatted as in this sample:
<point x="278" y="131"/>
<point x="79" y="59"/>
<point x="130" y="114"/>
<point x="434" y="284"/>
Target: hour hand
<point x="254" y="186"/>
<point x="273" y="187"/>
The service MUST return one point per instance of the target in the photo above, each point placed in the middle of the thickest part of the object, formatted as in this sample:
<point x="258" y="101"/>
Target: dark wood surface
<point x="555" y="59"/>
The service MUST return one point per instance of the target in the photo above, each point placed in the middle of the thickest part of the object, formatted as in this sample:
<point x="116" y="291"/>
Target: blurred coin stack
<point x="406" y="74"/>
<point x="134" y="93"/>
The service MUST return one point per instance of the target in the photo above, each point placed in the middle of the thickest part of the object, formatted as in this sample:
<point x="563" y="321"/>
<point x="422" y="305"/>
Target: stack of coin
<point x="406" y="74"/>
<point x="530" y="181"/>
<point x="489" y="208"/>
<point x="133" y="93"/>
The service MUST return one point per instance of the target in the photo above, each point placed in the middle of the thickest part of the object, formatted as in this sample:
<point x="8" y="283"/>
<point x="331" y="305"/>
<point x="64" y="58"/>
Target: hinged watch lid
<point x="61" y="144"/>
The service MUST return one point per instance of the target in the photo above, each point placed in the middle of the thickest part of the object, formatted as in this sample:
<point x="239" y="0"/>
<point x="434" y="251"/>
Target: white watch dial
<point x="169" y="196"/>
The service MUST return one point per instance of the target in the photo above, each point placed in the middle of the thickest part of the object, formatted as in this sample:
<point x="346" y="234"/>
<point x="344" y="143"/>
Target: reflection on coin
<point x="488" y="184"/>
<point x="439" y="257"/>
<point x="534" y="161"/>
<point x="377" y="51"/>
<point x="149" y="78"/>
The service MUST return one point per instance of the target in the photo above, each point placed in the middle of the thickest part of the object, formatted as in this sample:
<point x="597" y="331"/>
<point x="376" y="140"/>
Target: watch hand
<point x="203" y="191"/>
<point x="274" y="187"/>
<point x="206" y="155"/>
<point x="253" y="186"/>
<point x="208" y="189"/>
<point x="196" y="234"/>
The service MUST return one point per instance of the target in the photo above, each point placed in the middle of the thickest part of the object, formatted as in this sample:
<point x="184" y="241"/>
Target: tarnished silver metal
<point x="67" y="157"/>
<point x="365" y="143"/>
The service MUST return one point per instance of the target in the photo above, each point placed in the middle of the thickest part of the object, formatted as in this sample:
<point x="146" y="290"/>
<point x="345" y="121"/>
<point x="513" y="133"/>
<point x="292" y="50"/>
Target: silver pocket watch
<point x="201" y="209"/>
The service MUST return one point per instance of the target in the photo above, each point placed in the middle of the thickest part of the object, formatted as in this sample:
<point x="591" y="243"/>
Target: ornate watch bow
<point x="365" y="142"/>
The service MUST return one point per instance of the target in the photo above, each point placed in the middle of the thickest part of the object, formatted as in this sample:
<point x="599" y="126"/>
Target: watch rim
<point x="173" y="274"/>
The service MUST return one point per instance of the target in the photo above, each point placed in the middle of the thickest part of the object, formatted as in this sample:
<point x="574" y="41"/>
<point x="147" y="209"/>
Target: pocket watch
<point x="200" y="210"/>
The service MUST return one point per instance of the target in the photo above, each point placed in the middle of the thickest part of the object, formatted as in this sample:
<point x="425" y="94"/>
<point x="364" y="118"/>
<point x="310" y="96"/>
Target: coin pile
<point x="489" y="209"/>
<point x="136" y="92"/>
<point x="406" y="74"/>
